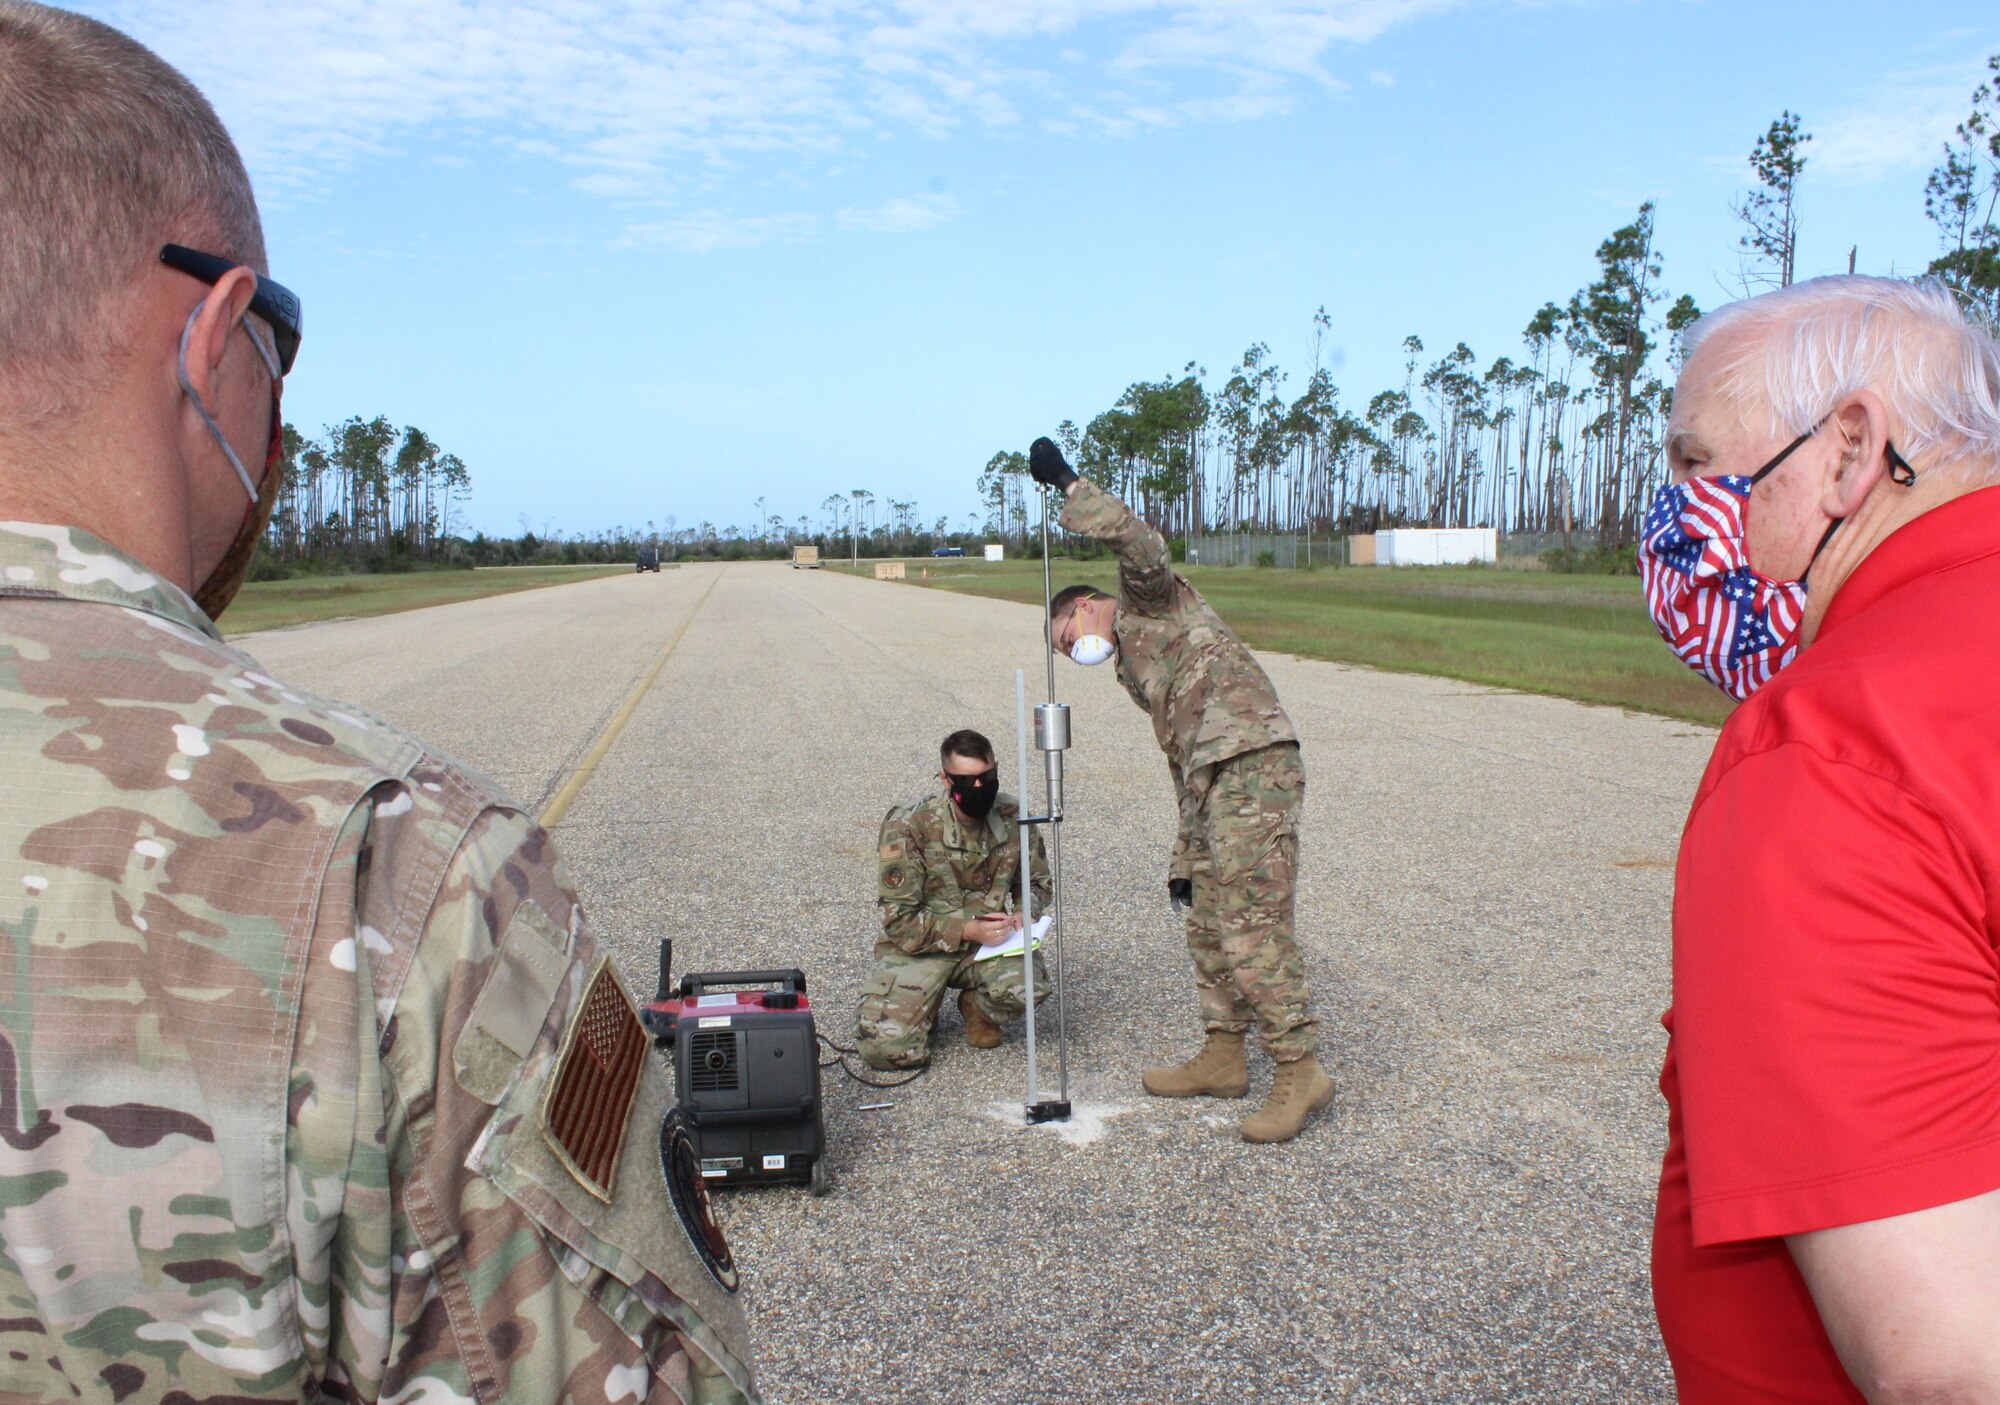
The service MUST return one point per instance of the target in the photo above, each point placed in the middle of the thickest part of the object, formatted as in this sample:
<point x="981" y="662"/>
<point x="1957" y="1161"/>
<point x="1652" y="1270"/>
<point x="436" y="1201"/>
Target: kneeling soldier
<point x="948" y="866"/>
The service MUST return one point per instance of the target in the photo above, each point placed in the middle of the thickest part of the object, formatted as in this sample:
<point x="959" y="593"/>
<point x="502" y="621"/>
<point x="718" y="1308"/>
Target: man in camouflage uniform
<point x="950" y="868"/>
<point x="313" y="1083"/>
<point x="1234" y="758"/>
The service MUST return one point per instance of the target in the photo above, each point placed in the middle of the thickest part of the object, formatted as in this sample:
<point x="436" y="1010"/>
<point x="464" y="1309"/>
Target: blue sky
<point x="638" y="261"/>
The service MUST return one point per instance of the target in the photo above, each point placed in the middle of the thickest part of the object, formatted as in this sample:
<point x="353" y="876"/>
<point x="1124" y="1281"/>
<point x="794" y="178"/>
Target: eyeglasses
<point x="1066" y="625"/>
<point x="274" y="302"/>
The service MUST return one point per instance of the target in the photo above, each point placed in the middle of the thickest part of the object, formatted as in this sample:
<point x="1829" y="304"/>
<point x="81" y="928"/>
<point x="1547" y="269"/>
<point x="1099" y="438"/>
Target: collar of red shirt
<point x="1960" y="531"/>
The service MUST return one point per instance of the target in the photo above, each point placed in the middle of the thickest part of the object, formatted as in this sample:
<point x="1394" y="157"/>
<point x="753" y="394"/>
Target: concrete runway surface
<point x="1484" y="914"/>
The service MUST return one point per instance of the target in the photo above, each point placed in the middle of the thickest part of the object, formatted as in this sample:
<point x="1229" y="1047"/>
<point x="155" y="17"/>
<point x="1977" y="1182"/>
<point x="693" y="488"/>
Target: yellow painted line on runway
<point x="573" y="787"/>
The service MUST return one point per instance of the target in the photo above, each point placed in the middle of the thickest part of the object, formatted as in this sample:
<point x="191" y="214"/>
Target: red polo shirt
<point x="1833" y="1050"/>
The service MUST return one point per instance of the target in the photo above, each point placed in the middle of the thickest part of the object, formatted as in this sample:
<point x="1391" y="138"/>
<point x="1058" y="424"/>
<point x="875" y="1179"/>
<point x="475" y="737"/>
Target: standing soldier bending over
<point x="950" y="863"/>
<point x="1235" y="763"/>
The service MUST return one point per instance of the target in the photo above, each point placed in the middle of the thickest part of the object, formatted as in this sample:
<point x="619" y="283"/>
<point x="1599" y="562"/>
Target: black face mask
<point x="974" y="795"/>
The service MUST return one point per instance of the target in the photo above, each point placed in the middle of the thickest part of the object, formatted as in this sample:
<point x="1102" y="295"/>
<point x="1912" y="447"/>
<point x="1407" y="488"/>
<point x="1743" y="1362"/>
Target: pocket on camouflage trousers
<point x="1252" y="805"/>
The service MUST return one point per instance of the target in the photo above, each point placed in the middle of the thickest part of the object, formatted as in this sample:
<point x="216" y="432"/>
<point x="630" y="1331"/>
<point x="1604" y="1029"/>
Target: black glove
<point x="1180" y="892"/>
<point x="1047" y="466"/>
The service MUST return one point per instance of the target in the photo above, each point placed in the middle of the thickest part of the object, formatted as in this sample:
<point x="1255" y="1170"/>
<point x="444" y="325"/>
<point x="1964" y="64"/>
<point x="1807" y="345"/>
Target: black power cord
<point x="839" y="1061"/>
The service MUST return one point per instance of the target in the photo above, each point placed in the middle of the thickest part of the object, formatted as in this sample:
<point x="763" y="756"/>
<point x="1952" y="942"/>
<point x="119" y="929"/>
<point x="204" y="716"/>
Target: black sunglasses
<point x="274" y="302"/>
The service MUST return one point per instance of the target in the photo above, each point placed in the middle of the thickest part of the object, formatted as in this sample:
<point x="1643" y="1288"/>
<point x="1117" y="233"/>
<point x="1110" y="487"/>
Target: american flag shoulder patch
<point x="589" y="1100"/>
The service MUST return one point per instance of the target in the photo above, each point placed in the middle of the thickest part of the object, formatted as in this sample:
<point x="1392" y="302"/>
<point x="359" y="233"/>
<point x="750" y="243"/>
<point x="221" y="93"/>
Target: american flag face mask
<point x="1721" y="617"/>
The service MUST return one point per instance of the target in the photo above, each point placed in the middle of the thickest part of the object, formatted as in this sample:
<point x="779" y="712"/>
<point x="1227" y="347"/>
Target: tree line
<point x="368" y="496"/>
<point x="1566" y="437"/>
<point x="1562" y="436"/>
<point x="365" y="495"/>
<point x="856" y="522"/>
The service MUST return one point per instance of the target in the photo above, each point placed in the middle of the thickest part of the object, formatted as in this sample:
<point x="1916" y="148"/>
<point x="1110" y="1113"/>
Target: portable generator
<point x="746" y="1073"/>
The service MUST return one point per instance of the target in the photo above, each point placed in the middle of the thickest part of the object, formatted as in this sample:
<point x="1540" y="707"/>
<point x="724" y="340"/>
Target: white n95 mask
<point x="1092" y="649"/>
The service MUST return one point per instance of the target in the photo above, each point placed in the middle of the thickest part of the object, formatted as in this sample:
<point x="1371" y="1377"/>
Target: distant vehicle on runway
<point x="948" y="551"/>
<point x="805" y="558"/>
<point x="649" y="558"/>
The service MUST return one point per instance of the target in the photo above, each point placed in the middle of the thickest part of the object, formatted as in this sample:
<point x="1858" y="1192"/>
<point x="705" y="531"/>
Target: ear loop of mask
<point x="270" y="362"/>
<point x="1900" y="473"/>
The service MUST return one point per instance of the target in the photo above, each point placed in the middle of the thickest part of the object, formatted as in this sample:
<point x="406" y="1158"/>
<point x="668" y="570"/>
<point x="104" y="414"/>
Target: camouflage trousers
<point x="1245" y="868"/>
<point x="899" y="1004"/>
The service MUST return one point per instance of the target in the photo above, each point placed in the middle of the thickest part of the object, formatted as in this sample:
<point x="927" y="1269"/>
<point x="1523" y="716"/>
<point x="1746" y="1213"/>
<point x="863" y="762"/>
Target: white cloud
<point x="1257" y="98"/>
<point x="633" y="90"/>
<point x="705" y="231"/>
<point x="1901" y="126"/>
<point x="612" y="183"/>
<point x="1269" y="38"/>
<point x="902" y="216"/>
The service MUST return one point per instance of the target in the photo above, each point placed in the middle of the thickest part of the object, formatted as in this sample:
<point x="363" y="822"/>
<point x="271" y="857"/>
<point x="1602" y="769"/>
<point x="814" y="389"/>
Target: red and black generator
<point x="746" y="1073"/>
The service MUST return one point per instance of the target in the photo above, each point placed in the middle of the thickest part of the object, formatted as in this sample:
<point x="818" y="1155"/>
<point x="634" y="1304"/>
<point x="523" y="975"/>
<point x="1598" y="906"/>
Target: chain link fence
<point x="1258" y="549"/>
<point x="1516" y="549"/>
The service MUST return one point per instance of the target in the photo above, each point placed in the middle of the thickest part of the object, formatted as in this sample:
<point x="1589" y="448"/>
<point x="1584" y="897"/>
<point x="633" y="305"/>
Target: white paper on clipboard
<point x="1015" y="944"/>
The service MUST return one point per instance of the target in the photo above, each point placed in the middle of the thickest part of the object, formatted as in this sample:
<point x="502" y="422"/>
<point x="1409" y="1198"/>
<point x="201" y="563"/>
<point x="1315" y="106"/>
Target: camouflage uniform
<point x="937" y="874"/>
<point x="1237" y="777"/>
<point x="292" y="1041"/>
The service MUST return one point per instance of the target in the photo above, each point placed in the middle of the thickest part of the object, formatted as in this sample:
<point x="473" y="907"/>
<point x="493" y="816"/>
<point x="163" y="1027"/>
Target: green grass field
<point x="1582" y="637"/>
<point x="276" y="604"/>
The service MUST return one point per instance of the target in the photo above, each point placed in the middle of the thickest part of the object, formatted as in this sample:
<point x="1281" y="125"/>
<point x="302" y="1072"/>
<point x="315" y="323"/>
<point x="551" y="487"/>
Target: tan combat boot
<point x="1300" y="1089"/>
<point x="980" y="1032"/>
<point x="1217" y="1071"/>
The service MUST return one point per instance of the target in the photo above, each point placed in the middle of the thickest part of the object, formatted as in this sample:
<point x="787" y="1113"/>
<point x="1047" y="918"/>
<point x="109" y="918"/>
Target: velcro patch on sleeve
<point x="526" y="974"/>
<point x="897" y="878"/>
<point x="589" y="1102"/>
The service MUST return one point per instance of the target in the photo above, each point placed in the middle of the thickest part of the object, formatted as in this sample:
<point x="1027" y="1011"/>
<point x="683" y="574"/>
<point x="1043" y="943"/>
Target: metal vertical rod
<point x="1048" y="600"/>
<point x="1027" y="871"/>
<point x="1055" y="833"/>
<point x="1056" y="931"/>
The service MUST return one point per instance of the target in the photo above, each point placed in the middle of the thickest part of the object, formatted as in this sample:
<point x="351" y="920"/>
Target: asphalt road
<point x="1484" y="916"/>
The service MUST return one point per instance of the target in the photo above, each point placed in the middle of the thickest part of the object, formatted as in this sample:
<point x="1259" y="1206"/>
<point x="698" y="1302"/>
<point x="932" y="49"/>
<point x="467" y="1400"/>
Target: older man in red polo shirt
<point x="1829" y="550"/>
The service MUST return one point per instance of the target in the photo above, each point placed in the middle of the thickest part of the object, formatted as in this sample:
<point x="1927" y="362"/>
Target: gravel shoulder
<point x="1484" y="914"/>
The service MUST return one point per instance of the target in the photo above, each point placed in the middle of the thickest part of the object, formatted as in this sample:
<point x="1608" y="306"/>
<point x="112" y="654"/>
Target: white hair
<point x="1799" y="351"/>
<point x="106" y="153"/>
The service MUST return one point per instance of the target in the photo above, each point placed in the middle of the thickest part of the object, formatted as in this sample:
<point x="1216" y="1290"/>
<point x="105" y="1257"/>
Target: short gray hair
<point x="1811" y="344"/>
<point x="106" y="153"/>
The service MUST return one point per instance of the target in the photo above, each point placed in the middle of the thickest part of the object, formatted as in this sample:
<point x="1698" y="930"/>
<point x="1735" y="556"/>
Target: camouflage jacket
<point x="1209" y="700"/>
<point x="295" y="1018"/>
<point x="936" y="873"/>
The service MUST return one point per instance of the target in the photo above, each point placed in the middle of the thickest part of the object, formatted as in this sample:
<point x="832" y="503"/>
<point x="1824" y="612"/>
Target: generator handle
<point x="720" y="1116"/>
<point x="793" y="980"/>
